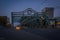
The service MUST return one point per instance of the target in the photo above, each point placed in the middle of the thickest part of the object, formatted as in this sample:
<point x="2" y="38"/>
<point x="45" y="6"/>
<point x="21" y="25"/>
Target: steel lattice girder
<point x="33" y="20"/>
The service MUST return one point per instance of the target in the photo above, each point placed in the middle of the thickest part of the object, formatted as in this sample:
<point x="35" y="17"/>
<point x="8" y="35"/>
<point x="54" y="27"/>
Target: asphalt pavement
<point x="50" y="34"/>
<point x="12" y="34"/>
<point x="29" y="34"/>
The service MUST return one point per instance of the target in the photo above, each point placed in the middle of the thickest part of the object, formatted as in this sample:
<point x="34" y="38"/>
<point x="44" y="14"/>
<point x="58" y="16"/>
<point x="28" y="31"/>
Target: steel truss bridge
<point x="30" y="18"/>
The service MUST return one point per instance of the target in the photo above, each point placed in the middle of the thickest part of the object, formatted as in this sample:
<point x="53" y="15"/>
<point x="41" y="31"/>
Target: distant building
<point x="49" y="11"/>
<point x="3" y="20"/>
<point x="57" y="22"/>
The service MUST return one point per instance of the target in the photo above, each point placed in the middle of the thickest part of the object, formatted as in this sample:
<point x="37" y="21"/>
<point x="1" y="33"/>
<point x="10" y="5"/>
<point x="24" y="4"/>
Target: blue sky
<point x="8" y="6"/>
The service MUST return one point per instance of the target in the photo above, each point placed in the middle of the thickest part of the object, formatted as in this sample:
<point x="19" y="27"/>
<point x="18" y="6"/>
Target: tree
<point x="35" y="21"/>
<point x="46" y="21"/>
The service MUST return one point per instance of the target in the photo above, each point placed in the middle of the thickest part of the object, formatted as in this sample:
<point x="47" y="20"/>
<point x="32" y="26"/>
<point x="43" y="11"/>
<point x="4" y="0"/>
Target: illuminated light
<point x="18" y="28"/>
<point x="58" y="22"/>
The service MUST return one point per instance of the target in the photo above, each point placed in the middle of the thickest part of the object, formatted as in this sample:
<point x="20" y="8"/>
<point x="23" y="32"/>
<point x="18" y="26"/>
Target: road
<point x="12" y="34"/>
<point x="50" y="34"/>
<point x="29" y="34"/>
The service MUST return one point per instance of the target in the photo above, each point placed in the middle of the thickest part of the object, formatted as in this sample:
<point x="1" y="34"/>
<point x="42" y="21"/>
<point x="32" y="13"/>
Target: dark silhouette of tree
<point x="35" y="21"/>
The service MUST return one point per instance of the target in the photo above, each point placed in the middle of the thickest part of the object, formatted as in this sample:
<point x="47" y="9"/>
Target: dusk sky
<point x="8" y="6"/>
